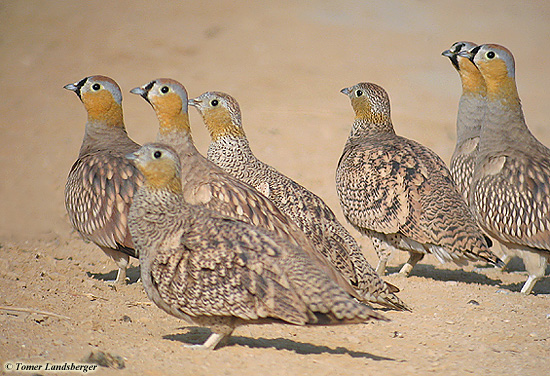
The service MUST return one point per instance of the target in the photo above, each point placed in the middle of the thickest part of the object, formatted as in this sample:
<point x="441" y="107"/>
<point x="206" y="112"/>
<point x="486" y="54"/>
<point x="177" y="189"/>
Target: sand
<point x="285" y="62"/>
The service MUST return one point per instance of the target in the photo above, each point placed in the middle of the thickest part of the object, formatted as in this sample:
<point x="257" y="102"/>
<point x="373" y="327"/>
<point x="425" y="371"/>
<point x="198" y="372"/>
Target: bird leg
<point x="215" y="340"/>
<point x="535" y="264"/>
<point x="409" y="265"/>
<point x="122" y="260"/>
<point x="507" y="255"/>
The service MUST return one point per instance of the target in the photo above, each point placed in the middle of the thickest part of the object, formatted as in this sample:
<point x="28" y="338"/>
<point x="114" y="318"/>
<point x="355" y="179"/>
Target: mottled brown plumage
<point x="399" y="192"/>
<point x="216" y="271"/>
<point x="102" y="182"/>
<point x="206" y="184"/>
<point x="510" y="191"/>
<point x="230" y="150"/>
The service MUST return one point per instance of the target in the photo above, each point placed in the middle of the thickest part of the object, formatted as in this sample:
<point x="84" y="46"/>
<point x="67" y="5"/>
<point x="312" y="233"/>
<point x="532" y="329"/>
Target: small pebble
<point x="501" y="291"/>
<point x="126" y="318"/>
<point x="473" y="302"/>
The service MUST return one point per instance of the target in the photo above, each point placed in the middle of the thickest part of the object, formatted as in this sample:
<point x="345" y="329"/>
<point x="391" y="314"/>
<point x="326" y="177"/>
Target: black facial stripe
<point x="458" y="48"/>
<point x="475" y="51"/>
<point x="454" y="60"/>
<point x="79" y="86"/>
<point x="146" y="90"/>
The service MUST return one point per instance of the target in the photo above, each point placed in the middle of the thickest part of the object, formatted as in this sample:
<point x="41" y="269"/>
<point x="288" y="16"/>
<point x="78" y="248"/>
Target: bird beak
<point x="447" y="53"/>
<point x="143" y="91"/>
<point x="76" y="86"/>
<point x="194" y="102"/>
<point x="470" y="54"/>
<point x="346" y="90"/>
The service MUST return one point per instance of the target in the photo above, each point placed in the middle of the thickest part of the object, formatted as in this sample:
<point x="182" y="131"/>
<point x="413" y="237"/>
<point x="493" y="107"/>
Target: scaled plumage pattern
<point x="229" y="149"/>
<point x="206" y="184"/>
<point x="510" y="192"/>
<point x="216" y="271"/>
<point x="399" y="192"/>
<point x="102" y="182"/>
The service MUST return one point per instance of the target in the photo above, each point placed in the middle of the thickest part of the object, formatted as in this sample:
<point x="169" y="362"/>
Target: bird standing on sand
<point x="230" y="150"/>
<point x="206" y="184"/>
<point x="400" y="193"/>
<point x="215" y="271"/>
<point x="102" y="182"/>
<point x="510" y="192"/>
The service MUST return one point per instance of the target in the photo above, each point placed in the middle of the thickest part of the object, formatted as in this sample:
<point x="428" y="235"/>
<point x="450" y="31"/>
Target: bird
<point x="510" y="191"/>
<point x="229" y="149"/>
<point x="400" y="193"/>
<point x="471" y="108"/>
<point x="212" y="270"/>
<point x="206" y="184"/>
<point x="102" y="182"/>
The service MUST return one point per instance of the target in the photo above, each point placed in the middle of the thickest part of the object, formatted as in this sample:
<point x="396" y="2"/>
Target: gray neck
<point x="471" y="110"/>
<point x="98" y="136"/>
<point x="183" y="143"/>
<point x="504" y="129"/>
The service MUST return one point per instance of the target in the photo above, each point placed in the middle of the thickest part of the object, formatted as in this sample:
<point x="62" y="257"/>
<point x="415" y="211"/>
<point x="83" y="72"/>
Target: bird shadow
<point x="476" y="276"/>
<point x="197" y="335"/>
<point x="446" y="275"/>
<point x="132" y="275"/>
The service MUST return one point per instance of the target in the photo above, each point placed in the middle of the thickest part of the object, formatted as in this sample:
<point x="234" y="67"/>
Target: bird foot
<point x="214" y="341"/>
<point x="406" y="270"/>
<point x="529" y="284"/>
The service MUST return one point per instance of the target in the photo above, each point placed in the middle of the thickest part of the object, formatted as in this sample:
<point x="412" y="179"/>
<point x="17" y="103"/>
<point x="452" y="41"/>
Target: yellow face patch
<point x="219" y="124"/>
<point x="169" y="110"/>
<point x="472" y="79"/>
<point x="101" y="106"/>
<point x="499" y="82"/>
<point x="161" y="174"/>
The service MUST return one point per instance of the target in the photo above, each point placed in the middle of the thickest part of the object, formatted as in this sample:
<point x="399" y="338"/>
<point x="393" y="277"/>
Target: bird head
<point x="221" y="114"/>
<point x="160" y="165"/>
<point x="370" y="103"/>
<point x="169" y="100"/>
<point x="102" y="98"/>
<point x="496" y="64"/>
<point x="472" y="80"/>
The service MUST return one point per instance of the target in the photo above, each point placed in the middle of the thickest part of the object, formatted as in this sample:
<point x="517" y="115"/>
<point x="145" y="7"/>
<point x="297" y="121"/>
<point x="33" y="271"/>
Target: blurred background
<point x="284" y="61"/>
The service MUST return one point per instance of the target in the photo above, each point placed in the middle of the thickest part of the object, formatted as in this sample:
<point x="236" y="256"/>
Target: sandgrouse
<point x="471" y="108"/>
<point x="400" y="193"/>
<point x="229" y="149"/>
<point x="102" y="182"/>
<point x="206" y="184"/>
<point x="510" y="192"/>
<point x="216" y="271"/>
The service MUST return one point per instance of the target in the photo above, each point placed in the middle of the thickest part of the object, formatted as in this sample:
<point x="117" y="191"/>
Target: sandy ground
<point x="285" y="62"/>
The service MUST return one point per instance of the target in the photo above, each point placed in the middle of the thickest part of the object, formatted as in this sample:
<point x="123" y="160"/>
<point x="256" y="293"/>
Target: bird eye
<point x="157" y="154"/>
<point x="214" y="102"/>
<point x="164" y="89"/>
<point x="96" y="87"/>
<point x="359" y="93"/>
<point x="490" y="55"/>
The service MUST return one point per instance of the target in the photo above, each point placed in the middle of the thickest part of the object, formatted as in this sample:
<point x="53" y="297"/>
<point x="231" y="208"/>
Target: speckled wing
<point x="462" y="165"/>
<point x="98" y="195"/>
<point x="229" y="196"/>
<point x="408" y="189"/>
<point x="379" y="185"/>
<point x="225" y="267"/>
<point x="516" y="207"/>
